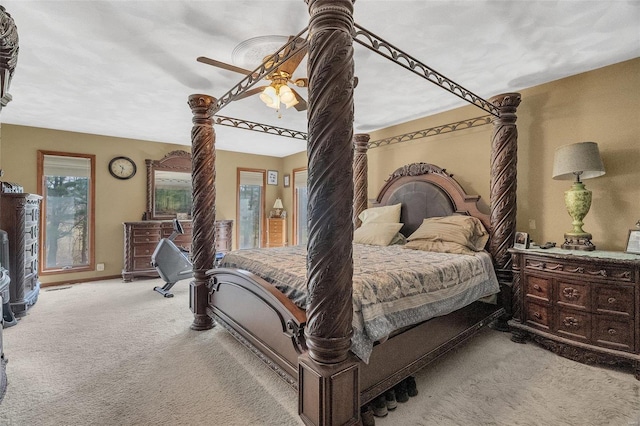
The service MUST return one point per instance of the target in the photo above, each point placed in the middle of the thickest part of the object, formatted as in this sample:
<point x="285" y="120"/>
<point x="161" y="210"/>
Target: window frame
<point x="294" y="196"/>
<point x="91" y="266"/>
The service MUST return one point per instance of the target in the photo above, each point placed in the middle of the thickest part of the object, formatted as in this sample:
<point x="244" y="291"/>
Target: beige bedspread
<point x="392" y="287"/>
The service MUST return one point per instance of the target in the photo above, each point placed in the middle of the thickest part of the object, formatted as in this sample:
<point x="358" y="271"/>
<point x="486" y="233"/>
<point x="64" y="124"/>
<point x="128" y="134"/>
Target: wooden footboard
<point x="260" y="317"/>
<point x="271" y="326"/>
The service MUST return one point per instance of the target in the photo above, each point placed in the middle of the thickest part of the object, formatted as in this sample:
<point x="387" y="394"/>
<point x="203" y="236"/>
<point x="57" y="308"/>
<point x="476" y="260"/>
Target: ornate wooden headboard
<point x="425" y="190"/>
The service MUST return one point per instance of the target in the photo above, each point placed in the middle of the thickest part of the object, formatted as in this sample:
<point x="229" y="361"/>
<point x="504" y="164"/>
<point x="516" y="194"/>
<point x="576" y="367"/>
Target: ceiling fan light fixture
<point x="270" y="97"/>
<point x="287" y="96"/>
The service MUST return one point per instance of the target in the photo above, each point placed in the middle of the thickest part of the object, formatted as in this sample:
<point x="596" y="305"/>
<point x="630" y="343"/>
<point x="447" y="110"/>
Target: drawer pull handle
<point x="612" y="331"/>
<point x="611" y="300"/>
<point x="571" y="293"/>
<point x="537" y="315"/>
<point x="570" y="322"/>
<point x="536" y="287"/>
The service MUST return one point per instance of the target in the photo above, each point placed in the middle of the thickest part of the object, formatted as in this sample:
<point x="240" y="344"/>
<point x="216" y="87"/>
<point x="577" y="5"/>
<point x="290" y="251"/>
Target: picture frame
<point x="521" y="240"/>
<point x="633" y="241"/>
<point x="272" y="177"/>
<point x="286" y="180"/>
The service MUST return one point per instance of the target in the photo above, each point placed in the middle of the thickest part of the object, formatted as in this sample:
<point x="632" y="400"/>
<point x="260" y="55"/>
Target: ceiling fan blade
<point x="302" y="104"/>
<point x="251" y="92"/>
<point x="290" y="65"/>
<point x="223" y="65"/>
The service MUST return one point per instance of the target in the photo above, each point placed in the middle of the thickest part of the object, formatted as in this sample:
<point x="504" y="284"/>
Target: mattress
<point x="393" y="287"/>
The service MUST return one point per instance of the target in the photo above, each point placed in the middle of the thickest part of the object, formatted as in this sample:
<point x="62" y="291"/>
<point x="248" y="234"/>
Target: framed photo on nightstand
<point x="272" y="177"/>
<point x="521" y="240"/>
<point x="633" y="242"/>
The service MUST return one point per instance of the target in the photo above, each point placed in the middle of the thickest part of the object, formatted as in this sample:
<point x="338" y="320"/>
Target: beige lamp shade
<point x="278" y="204"/>
<point x="578" y="160"/>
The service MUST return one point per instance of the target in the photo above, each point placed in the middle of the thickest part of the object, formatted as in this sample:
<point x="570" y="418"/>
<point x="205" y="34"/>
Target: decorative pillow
<point x="464" y="230"/>
<point x="398" y="239"/>
<point x="379" y="234"/>
<point x="385" y="214"/>
<point x="438" y="246"/>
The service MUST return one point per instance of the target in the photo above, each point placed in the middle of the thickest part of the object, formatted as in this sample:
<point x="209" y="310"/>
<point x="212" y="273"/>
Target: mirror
<point x="169" y="187"/>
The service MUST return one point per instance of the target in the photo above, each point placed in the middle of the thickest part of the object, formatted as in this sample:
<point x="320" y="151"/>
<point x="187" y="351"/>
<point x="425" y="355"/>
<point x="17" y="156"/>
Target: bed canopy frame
<point x="328" y="374"/>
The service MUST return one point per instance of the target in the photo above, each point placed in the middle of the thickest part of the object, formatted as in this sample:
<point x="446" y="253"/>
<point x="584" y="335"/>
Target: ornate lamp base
<point x="578" y="242"/>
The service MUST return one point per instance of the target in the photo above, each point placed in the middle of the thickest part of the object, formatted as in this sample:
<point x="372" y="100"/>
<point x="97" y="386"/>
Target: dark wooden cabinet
<point x="142" y="237"/>
<point x="585" y="306"/>
<point x="20" y="218"/>
<point x="276" y="232"/>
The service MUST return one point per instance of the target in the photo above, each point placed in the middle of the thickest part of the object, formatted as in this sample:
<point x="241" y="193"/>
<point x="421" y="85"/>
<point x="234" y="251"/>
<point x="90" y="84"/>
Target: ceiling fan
<point x="278" y="91"/>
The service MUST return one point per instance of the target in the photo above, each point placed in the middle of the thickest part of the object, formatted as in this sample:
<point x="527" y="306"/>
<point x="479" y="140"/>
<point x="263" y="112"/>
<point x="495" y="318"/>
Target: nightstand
<point x="581" y="305"/>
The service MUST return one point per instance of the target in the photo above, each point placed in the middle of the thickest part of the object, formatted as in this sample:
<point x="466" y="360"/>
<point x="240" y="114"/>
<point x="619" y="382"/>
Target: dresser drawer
<point x="142" y="263"/>
<point x="538" y="315"/>
<point x="275" y="227"/>
<point x="144" y="239"/>
<point x="616" y="299"/>
<point x="538" y="287"/>
<point x="143" y="250"/>
<point x="581" y="270"/>
<point x="147" y="232"/>
<point x="574" y="295"/>
<point x="573" y="324"/>
<point x="613" y="332"/>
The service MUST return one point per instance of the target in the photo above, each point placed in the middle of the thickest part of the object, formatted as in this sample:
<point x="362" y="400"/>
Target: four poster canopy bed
<point x="340" y="321"/>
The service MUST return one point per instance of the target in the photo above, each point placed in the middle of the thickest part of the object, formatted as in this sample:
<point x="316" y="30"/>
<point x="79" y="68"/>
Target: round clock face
<point x="122" y="167"/>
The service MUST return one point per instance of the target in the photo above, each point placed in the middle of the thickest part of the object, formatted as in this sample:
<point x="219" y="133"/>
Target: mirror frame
<point x="176" y="161"/>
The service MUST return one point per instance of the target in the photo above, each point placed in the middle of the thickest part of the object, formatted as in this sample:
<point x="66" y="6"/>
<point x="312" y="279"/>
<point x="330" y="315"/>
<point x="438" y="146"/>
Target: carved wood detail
<point x="504" y="147"/>
<point x="330" y="159"/>
<point x="203" y="175"/>
<point x="360" y="176"/>
<point x="9" y="47"/>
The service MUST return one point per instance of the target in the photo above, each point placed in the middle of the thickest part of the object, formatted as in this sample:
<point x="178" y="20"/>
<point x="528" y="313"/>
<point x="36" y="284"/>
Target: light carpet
<point x="114" y="353"/>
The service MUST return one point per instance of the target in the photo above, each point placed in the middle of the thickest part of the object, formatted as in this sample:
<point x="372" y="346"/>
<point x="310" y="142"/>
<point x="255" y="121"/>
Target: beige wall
<point x="601" y="106"/>
<point x="118" y="201"/>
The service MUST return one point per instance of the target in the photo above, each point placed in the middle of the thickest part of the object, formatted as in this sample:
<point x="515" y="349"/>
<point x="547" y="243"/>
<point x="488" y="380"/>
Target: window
<point x="250" y="209"/>
<point x="300" y="200"/>
<point x="66" y="182"/>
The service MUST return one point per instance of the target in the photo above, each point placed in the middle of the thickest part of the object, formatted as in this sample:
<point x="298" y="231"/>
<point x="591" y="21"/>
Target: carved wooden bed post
<point x="360" y="176"/>
<point x="203" y="177"/>
<point x="8" y="54"/>
<point x="328" y="373"/>
<point x="504" y="159"/>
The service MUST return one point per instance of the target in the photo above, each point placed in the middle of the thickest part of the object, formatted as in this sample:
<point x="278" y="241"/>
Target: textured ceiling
<point x="126" y="68"/>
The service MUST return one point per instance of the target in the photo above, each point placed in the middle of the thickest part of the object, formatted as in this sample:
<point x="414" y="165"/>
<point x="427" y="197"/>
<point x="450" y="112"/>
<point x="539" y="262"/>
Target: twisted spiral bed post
<point x="503" y="185"/>
<point x="203" y="177"/>
<point x="328" y="373"/>
<point x="360" y="172"/>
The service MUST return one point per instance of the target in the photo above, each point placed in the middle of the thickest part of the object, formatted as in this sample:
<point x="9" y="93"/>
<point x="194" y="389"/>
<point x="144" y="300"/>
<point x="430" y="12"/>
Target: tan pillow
<point x="464" y="230"/>
<point x="438" y="246"/>
<point x="385" y="214"/>
<point x="379" y="234"/>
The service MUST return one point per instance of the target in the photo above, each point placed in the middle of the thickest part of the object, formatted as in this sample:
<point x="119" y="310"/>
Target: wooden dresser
<point x="142" y="237"/>
<point x="276" y="232"/>
<point x="581" y="305"/>
<point x="20" y="218"/>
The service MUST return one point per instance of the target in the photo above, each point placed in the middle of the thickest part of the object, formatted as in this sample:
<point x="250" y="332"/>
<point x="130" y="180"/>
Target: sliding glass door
<point x="250" y="208"/>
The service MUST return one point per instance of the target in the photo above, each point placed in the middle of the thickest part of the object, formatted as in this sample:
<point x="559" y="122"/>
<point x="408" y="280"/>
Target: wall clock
<point x="122" y="167"/>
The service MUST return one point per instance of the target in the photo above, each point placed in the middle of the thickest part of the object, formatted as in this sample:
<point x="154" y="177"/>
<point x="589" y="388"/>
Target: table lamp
<point x="278" y="207"/>
<point x="576" y="161"/>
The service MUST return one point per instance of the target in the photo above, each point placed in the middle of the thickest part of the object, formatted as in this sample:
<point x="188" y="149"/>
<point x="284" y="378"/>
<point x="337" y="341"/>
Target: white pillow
<point x="379" y="234"/>
<point x="385" y="214"/>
